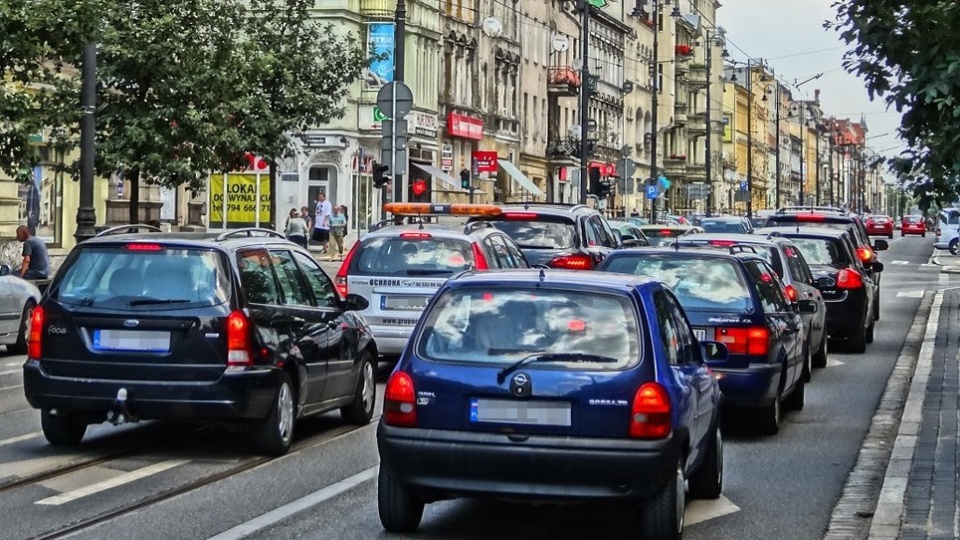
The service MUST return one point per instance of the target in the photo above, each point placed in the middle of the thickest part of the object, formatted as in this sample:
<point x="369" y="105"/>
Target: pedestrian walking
<point x="338" y="227"/>
<point x="321" y="225"/>
<point x="296" y="229"/>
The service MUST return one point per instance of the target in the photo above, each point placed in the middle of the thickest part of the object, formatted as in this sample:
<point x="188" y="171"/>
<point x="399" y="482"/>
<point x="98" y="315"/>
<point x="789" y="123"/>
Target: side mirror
<point x="826" y="283"/>
<point x="4" y="269"/>
<point x="714" y="351"/>
<point x="807" y="306"/>
<point x="880" y="245"/>
<point x="876" y="267"/>
<point x="355" y="302"/>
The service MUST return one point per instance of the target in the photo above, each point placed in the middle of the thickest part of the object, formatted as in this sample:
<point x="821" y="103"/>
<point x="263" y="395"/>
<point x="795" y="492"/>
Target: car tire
<point x="807" y="375"/>
<point x="274" y="434"/>
<point x="868" y="335"/>
<point x="707" y="481"/>
<point x="891" y="236"/>
<point x="857" y="342"/>
<point x="360" y="411"/>
<point x="923" y="235"/>
<point x="954" y="246"/>
<point x="400" y="508"/>
<point x="820" y="359"/>
<point x="768" y="419"/>
<point x="794" y="402"/>
<point x="20" y="347"/>
<point x="62" y="429"/>
<point x="662" y="514"/>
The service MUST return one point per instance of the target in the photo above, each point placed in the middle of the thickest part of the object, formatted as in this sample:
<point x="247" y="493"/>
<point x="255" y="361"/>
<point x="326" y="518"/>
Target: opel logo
<point x="131" y="323"/>
<point x="520" y="385"/>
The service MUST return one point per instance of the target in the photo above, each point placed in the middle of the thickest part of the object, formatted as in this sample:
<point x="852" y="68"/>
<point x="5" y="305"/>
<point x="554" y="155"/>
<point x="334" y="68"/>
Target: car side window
<point x="606" y="232"/>
<point x="295" y="292"/>
<point x="689" y="348"/>
<point x="798" y="266"/>
<point x="257" y="276"/>
<point x="592" y="234"/>
<point x="498" y="260"/>
<point x="515" y="253"/>
<point x="503" y="254"/>
<point x="768" y="287"/>
<point x="669" y="336"/>
<point x="322" y="287"/>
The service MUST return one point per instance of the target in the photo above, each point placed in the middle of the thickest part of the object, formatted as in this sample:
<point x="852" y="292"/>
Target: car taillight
<point x="415" y="236"/>
<point x="399" y="401"/>
<point x="239" y="346"/>
<point x="479" y="259"/>
<point x="340" y="281"/>
<point x="572" y="262"/>
<point x="721" y="243"/>
<point x="650" y="414"/>
<point x="865" y="253"/>
<point x="849" y="279"/>
<point x="35" y="337"/>
<point x="811" y="218"/>
<point x="752" y="341"/>
<point x="519" y="216"/>
<point x="791" y="293"/>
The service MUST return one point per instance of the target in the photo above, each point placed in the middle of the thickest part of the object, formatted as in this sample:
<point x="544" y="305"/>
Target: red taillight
<point x="399" y="401"/>
<point x="340" y="281"/>
<point x="721" y="243"/>
<point x="665" y="232"/>
<point x="143" y="247"/>
<point x="519" y="216"/>
<point x="479" y="259"/>
<point x="239" y="346"/>
<point x="791" y="293"/>
<point x="811" y="218"/>
<point x="650" y="414"/>
<point x="752" y="341"/>
<point x="35" y="337"/>
<point x="415" y="236"/>
<point x="849" y="279"/>
<point x="865" y="253"/>
<point x="572" y="262"/>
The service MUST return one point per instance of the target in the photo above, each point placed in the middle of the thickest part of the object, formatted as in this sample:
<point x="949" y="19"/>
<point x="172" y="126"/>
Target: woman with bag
<point x="296" y="229"/>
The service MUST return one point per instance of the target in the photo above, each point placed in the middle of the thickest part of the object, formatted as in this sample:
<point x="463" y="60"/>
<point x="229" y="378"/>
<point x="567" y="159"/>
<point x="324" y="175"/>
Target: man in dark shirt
<point x="36" y="262"/>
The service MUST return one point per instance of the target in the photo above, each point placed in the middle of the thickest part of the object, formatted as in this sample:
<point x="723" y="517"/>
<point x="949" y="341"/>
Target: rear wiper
<point x="146" y="301"/>
<point x="552" y="357"/>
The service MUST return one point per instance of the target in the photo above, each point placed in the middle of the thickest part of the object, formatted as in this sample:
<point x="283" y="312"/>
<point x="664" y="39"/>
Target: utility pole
<point x="749" y="138"/>
<point x="707" y="145"/>
<point x="830" y="161"/>
<point x="86" y="213"/>
<point x="655" y="104"/>
<point x="584" y="98"/>
<point x="803" y="148"/>
<point x="819" y="169"/>
<point x="400" y="189"/>
<point x="777" y="153"/>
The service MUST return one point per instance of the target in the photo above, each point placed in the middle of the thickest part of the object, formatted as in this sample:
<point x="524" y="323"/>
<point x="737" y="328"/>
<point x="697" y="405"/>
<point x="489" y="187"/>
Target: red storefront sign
<point x="606" y="169"/>
<point x="486" y="161"/>
<point x="467" y="127"/>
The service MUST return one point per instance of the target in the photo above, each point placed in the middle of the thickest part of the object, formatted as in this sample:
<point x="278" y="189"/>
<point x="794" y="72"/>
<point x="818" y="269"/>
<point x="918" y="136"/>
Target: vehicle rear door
<point x="803" y="283"/>
<point x="785" y="324"/>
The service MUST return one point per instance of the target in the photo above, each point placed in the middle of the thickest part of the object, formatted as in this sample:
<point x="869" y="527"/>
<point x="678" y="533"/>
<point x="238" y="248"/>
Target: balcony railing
<point x="563" y="80"/>
<point x="563" y="148"/>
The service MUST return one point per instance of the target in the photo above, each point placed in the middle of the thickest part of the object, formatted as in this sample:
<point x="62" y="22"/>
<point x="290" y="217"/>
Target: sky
<point x="790" y="35"/>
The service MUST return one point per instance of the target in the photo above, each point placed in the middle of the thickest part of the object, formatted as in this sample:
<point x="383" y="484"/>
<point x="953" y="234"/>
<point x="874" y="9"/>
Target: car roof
<point x="788" y="231"/>
<point x="550" y="209"/>
<point x="532" y="276"/>
<point x="685" y="250"/>
<point x="443" y="230"/>
<point x="733" y="237"/>
<point x="722" y="218"/>
<point x="194" y="239"/>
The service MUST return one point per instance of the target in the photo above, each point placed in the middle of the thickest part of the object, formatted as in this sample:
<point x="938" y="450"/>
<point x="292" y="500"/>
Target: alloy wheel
<point x="369" y="387"/>
<point x="285" y="408"/>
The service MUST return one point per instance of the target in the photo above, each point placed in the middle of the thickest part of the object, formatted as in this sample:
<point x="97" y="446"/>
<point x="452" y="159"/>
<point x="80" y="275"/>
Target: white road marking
<point x="900" y="262"/>
<point x="927" y="264"/>
<point x="834" y="363"/>
<point x="124" y="478"/>
<point x="944" y="279"/>
<point x="11" y="372"/>
<point x="279" y="514"/>
<point x="81" y="478"/>
<point x="910" y="294"/>
<point x="19" y="438"/>
<point x="11" y="364"/>
<point x="700" y="510"/>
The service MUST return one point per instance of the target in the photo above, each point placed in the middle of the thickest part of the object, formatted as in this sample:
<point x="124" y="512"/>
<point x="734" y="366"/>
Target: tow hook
<point x="119" y="414"/>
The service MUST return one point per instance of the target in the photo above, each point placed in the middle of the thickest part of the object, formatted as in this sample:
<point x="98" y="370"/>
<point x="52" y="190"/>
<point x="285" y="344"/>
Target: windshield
<point x="133" y="280"/>
<point x="823" y="251"/>
<point x="497" y="326"/>
<point x="412" y="256"/>
<point x="539" y="234"/>
<point x="913" y="219"/>
<point x="708" y="283"/>
<point x="717" y="226"/>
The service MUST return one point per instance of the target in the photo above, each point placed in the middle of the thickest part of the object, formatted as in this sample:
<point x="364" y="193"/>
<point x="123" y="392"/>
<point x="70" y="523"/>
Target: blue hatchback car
<point x="551" y="385"/>
<point x="736" y="298"/>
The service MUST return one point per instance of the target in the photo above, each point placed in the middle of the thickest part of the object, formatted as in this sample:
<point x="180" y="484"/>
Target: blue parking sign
<point x="651" y="192"/>
<point x="743" y="185"/>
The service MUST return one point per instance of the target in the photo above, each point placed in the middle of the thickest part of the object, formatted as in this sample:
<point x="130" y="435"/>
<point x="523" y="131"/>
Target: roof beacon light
<point x="455" y="209"/>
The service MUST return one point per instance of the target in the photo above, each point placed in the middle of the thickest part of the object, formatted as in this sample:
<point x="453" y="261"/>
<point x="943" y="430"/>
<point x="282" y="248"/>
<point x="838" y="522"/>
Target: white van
<point x="949" y="228"/>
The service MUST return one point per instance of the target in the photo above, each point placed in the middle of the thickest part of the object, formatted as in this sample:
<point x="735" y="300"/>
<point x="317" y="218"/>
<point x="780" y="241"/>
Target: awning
<point x="524" y="182"/>
<point x="442" y="176"/>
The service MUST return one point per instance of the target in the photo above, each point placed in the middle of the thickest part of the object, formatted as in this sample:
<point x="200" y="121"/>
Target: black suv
<point x="241" y="327"/>
<point x="575" y="237"/>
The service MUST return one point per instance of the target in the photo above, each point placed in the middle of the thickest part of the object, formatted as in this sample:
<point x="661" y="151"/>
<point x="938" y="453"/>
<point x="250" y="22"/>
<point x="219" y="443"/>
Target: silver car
<point x="18" y="297"/>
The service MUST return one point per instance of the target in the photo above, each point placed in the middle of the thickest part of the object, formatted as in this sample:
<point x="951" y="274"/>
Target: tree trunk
<point x="134" y="176"/>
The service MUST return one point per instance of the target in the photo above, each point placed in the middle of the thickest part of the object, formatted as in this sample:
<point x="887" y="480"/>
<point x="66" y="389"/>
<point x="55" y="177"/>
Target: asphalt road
<point x="198" y="483"/>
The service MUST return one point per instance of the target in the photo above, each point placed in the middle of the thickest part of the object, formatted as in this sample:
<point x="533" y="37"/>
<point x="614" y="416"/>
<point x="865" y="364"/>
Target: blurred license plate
<point x="408" y="303"/>
<point x="131" y="340"/>
<point x="700" y="334"/>
<point x="542" y="413"/>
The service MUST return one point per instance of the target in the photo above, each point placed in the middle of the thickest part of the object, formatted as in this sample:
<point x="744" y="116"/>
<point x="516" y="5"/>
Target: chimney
<point x="816" y="96"/>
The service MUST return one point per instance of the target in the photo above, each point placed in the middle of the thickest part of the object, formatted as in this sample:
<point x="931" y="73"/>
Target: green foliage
<point x="908" y="52"/>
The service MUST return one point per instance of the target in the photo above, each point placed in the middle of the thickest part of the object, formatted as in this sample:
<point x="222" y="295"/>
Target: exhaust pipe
<point x="119" y="414"/>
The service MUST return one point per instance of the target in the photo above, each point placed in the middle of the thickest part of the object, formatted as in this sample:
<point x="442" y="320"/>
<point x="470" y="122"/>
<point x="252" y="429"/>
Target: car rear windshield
<point x="700" y="283"/>
<point x="542" y="233"/>
<point x="501" y="326"/>
<point x="722" y="226"/>
<point x="913" y="219"/>
<point x="144" y="277"/>
<point x="820" y="250"/>
<point x="660" y="236"/>
<point x="412" y="254"/>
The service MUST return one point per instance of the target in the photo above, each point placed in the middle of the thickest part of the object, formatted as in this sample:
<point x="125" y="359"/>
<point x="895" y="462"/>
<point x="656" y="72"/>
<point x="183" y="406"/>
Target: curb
<point x="853" y="513"/>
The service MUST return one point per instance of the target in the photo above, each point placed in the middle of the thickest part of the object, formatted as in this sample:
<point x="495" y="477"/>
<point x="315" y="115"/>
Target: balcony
<point x="567" y="149"/>
<point x="697" y="126"/>
<point x="680" y="112"/>
<point x="675" y="167"/>
<point x="698" y="76"/>
<point x="696" y="172"/>
<point x="563" y="81"/>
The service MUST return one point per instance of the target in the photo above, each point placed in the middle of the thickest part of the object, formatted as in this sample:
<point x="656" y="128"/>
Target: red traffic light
<point x="419" y="187"/>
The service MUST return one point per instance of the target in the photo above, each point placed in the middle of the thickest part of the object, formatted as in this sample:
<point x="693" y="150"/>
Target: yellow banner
<point x="242" y="199"/>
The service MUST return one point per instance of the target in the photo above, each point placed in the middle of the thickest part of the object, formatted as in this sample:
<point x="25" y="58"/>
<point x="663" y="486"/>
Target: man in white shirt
<point x="321" y="222"/>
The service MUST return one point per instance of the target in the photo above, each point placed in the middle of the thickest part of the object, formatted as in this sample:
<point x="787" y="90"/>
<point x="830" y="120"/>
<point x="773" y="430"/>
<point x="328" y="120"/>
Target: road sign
<point x="651" y="192"/>
<point x="399" y="166"/>
<point x="388" y="143"/>
<point x="389" y="126"/>
<point x="743" y="185"/>
<point x="403" y="100"/>
<point x="626" y="168"/>
<point x="378" y="115"/>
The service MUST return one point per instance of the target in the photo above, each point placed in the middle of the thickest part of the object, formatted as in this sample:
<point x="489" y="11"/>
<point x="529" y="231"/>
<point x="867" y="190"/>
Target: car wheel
<point x="365" y="398"/>
<point x="857" y="342"/>
<point x="807" y="375"/>
<point x="891" y="236"/>
<point x="275" y="432"/>
<point x="794" y="401"/>
<point x="820" y="359"/>
<point x="20" y="347"/>
<point x="954" y="246"/>
<point x="662" y="514"/>
<point x="61" y="429"/>
<point x="868" y="336"/>
<point x="400" y="508"/>
<point x="707" y="481"/>
<point x="923" y="235"/>
<point x="768" y="421"/>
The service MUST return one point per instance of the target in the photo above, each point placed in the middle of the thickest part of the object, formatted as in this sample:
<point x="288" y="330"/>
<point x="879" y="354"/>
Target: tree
<point x="908" y="52"/>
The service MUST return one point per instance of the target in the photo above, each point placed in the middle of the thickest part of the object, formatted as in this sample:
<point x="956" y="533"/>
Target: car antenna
<point x="543" y="276"/>
<point x="798" y="227"/>
<point x="676" y="245"/>
<point x="420" y="219"/>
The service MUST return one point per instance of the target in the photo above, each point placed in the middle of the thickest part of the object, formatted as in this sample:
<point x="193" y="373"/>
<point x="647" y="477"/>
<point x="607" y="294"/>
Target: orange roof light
<point x="455" y="209"/>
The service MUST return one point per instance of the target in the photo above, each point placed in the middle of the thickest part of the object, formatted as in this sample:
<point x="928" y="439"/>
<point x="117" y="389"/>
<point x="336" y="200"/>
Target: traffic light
<point x="465" y="179"/>
<point x="380" y="177"/>
<point x="419" y="190"/>
<point x="594" y="184"/>
<point x="603" y="189"/>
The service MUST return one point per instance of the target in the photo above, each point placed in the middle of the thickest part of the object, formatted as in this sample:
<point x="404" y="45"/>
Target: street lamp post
<point x="86" y="213"/>
<point x="749" y="138"/>
<point x="777" y="137"/>
<point x="713" y="39"/>
<point x="585" y="9"/>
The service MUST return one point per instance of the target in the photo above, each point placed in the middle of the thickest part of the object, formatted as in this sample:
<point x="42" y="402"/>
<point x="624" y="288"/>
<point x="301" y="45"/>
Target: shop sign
<point x="485" y="160"/>
<point x="446" y="157"/>
<point x="240" y="199"/>
<point x="606" y="169"/>
<point x="467" y="127"/>
<point x="424" y="124"/>
<point x="369" y="117"/>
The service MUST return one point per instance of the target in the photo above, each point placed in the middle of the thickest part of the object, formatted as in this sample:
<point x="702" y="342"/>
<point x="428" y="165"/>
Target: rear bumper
<point x="235" y="396"/>
<point x="490" y="465"/>
<point x="846" y="315"/>
<point x="753" y="386"/>
<point x="391" y="340"/>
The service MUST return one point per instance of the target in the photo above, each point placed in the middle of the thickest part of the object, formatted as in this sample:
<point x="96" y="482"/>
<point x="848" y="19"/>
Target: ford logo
<point x="131" y="323"/>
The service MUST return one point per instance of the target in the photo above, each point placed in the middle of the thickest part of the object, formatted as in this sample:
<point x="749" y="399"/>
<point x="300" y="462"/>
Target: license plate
<point x="131" y="340"/>
<point x="504" y="411"/>
<point x="700" y="334"/>
<point x="404" y="303"/>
